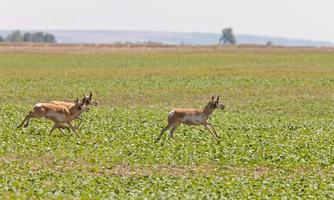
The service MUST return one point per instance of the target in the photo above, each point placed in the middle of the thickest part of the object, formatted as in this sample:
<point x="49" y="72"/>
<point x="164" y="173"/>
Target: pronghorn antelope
<point x="59" y="114"/>
<point x="192" y="117"/>
<point x="87" y="100"/>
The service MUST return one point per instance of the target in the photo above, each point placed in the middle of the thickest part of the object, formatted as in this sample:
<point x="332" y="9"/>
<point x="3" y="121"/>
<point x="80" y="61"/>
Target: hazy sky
<point x="309" y="19"/>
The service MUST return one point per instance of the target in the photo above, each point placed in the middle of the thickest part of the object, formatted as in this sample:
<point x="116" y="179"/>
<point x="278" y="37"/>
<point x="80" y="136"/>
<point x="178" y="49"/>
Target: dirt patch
<point x="58" y="165"/>
<point x="160" y="169"/>
<point x="260" y="171"/>
<point x="51" y="164"/>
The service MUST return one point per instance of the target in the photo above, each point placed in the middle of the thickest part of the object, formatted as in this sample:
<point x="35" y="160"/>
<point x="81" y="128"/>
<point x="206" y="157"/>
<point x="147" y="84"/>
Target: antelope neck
<point x="207" y="111"/>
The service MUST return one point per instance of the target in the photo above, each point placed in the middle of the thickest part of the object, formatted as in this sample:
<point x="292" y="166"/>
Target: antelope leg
<point x="73" y="129"/>
<point x="163" y="130"/>
<point x="214" y="130"/>
<point x="53" y="128"/>
<point x="206" y="126"/>
<point x="79" y="123"/>
<point x="171" y="133"/>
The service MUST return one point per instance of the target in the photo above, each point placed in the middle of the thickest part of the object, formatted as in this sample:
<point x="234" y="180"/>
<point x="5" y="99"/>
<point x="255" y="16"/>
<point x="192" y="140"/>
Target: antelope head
<point x="87" y="100"/>
<point x="80" y="105"/>
<point x="215" y="104"/>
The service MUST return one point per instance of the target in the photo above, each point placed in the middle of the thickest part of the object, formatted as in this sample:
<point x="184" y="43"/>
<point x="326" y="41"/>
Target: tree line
<point x="39" y="37"/>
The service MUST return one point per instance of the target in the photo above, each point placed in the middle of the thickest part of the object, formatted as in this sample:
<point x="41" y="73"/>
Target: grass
<point x="276" y="130"/>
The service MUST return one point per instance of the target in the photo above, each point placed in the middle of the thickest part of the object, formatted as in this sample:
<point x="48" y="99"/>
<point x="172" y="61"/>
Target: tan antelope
<point x="87" y="100"/>
<point x="59" y="114"/>
<point x="192" y="117"/>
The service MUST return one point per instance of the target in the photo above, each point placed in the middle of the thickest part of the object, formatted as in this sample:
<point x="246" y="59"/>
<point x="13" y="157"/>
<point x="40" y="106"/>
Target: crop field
<point x="277" y="130"/>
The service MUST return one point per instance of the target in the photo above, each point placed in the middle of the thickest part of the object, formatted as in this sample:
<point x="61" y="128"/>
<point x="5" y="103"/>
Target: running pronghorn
<point x="87" y="100"/>
<point x="59" y="114"/>
<point x="192" y="117"/>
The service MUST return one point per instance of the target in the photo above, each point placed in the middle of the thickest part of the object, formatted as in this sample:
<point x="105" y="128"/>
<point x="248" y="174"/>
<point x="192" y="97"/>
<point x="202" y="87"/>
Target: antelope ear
<point x="90" y="94"/>
<point x="77" y="100"/>
<point x="217" y="99"/>
<point x="213" y="97"/>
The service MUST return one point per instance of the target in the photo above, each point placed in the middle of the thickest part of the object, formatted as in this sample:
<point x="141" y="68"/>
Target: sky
<point x="305" y="19"/>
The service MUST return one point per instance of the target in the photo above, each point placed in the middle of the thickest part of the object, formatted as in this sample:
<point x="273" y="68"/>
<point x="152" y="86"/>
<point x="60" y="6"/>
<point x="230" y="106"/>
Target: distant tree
<point x="227" y="36"/>
<point x="269" y="43"/>
<point x="14" y="36"/>
<point x="49" y="38"/>
<point x="27" y="37"/>
<point x="1" y="38"/>
<point x="37" y="37"/>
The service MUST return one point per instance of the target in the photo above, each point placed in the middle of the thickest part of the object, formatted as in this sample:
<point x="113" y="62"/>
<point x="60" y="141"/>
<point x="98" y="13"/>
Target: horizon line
<point x="177" y="32"/>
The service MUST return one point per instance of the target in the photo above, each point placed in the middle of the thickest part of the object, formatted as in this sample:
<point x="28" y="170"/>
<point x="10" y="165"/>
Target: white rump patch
<point x="171" y="114"/>
<point x="57" y="116"/>
<point x="38" y="105"/>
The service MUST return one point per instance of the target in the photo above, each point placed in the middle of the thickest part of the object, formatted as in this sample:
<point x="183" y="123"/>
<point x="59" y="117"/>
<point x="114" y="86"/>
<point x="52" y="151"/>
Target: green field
<point x="276" y="131"/>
